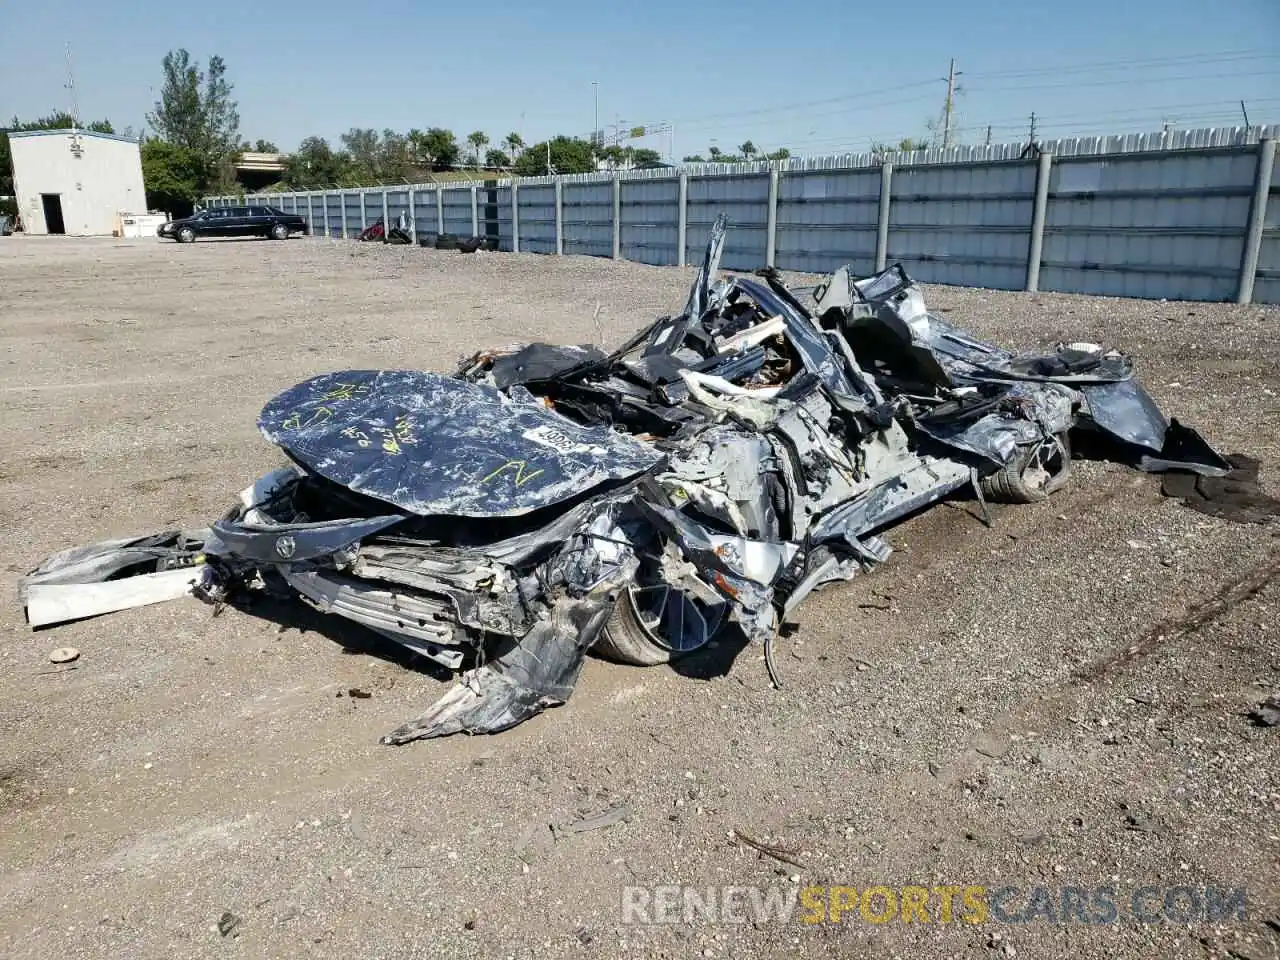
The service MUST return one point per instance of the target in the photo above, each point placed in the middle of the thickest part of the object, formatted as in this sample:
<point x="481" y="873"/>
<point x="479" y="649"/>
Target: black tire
<point x="447" y="241"/>
<point x="279" y="232"/>
<point x="625" y="640"/>
<point x="1035" y="473"/>
<point x="185" y="235"/>
<point x="644" y="637"/>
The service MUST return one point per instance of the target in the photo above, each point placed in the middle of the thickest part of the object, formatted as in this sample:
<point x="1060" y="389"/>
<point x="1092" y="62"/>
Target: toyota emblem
<point x="285" y="546"/>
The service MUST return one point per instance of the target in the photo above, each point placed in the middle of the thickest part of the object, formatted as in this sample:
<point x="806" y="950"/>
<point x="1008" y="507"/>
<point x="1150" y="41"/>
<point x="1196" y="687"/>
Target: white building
<point x="75" y="182"/>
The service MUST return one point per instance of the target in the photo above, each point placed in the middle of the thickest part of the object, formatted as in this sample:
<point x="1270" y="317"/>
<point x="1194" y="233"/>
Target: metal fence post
<point x="342" y="198"/>
<point x="364" y="222"/>
<point x="515" y="217"/>
<point x="617" y="217"/>
<point x="324" y="209"/>
<point x="1038" y="216"/>
<point x="559" y="218"/>
<point x="386" y="215"/>
<point x="882" y="221"/>
<point x="439" y="209"/>
<point x="771" y="227"/>
<point x="1257" y="219"/>
<point x="311" y="217"/>
<point x="475" y="212"/>
<point x="682" y="217"/>
<point x="413" y="216"/>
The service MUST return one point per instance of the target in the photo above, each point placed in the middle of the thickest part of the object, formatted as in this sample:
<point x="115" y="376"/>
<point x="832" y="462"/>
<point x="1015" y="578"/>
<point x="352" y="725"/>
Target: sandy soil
<point x="1058" y="701"/>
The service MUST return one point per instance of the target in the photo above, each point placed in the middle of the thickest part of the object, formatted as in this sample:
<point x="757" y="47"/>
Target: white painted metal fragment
<point x="49" y="603"/>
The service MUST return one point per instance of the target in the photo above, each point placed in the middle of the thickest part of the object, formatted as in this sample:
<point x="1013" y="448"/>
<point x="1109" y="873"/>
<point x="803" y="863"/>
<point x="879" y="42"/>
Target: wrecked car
<point x="705" y="476"/>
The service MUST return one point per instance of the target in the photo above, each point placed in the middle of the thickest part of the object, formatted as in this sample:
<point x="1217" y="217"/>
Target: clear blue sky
<point x="817" y="76"/>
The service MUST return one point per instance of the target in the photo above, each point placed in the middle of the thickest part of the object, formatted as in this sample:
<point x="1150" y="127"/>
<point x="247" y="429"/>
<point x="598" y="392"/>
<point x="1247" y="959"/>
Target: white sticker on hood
<point x="558" y="440"/>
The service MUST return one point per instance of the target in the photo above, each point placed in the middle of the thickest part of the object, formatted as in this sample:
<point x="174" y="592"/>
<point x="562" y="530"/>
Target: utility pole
<point x="1245" y="113"/>
<point x="947" y="110"/>
<point x="988" y="141"/>
<point x="595" y="130"/>
<point x="1031" y="134"/>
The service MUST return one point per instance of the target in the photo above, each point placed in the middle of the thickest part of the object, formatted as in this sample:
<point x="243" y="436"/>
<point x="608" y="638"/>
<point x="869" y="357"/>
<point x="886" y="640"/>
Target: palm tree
<point x="478" y="140"/>
<point x="514" y="143"/>
<point x="715" y="152"/>
<point x="747" y="150"/>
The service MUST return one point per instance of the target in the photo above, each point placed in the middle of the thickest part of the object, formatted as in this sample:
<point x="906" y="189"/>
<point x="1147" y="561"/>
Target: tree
<point x="496" y="159"/>
<point x="361" y="144"/>
<point x="195" y="111"/>
<point x="437" y="148"/>
<point x="263" y="146"/>
<point x="694" y="158"/>
<point x="174" y="176"/>
<point x="315" y="165"/>
<point x="644" y="157"/>
<point x="613" y="156"/>
<point x="782" y="153"/>
<point x="568" y="155"/>
<point x="478" y="141"/>
<point x="375" y="159"/>
<point x="395" y="159"/>
<point x="716" y="154"/>
<point x="747" y="150"/>
<point x="514" y="143"/>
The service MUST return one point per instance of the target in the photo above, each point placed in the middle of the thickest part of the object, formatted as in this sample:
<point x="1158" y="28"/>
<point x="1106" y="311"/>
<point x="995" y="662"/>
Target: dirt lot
<point x="1054" y="702"/>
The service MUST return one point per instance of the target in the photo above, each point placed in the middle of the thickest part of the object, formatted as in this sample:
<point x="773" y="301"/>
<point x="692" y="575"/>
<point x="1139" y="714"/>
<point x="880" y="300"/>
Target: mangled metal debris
<point x="707" y="475"/>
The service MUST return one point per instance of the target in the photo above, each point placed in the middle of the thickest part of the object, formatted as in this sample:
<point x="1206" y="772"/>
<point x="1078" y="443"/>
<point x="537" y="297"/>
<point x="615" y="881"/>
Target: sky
<point x="816" y="76"/>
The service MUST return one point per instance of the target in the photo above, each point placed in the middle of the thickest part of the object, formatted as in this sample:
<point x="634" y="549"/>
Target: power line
<point x="1138" y="64"/>
<point x="1144" y="108"/>
<point x="688" y="130"/>
<point x="1012" y="133"/>
<point x="1139" y="113"/>
<point x="808" y="103"/>
<point x="726" y="119"/>
<point x="1234" y="56"/>
<point x="1130" y="81"/>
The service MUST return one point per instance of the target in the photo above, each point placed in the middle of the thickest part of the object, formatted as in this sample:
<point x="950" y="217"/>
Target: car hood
<point x="432" y="444"/>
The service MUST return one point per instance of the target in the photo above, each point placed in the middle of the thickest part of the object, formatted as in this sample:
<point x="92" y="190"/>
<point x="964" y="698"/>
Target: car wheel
<point x="186" y="235"/>
<point x="1035" y="473"/>
<point x="654" y="622"/>
<point x="279" y="232"/>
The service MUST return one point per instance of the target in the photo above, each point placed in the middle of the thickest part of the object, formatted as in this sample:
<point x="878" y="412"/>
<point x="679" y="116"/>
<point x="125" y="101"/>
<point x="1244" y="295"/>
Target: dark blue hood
<point x="432" y="444"/>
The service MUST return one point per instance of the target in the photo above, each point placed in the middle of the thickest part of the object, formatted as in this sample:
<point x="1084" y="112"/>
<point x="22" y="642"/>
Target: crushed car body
<point x="705" y="476"/>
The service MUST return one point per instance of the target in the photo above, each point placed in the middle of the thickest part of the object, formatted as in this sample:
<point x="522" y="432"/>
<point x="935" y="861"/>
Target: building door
<point x="53" y="213"/>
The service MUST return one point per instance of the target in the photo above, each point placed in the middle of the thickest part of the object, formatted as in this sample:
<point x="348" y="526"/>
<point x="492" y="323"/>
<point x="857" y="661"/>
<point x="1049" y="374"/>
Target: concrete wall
<point x="1183" y="215"/>
<point x="96" y="182"/>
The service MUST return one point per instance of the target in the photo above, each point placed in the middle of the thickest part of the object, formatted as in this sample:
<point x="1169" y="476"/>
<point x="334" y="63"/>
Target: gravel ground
<point x="1058" y="701"/>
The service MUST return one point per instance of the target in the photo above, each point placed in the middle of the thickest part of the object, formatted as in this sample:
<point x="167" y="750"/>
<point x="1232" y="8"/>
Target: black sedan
<point x="234" y="222"/>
